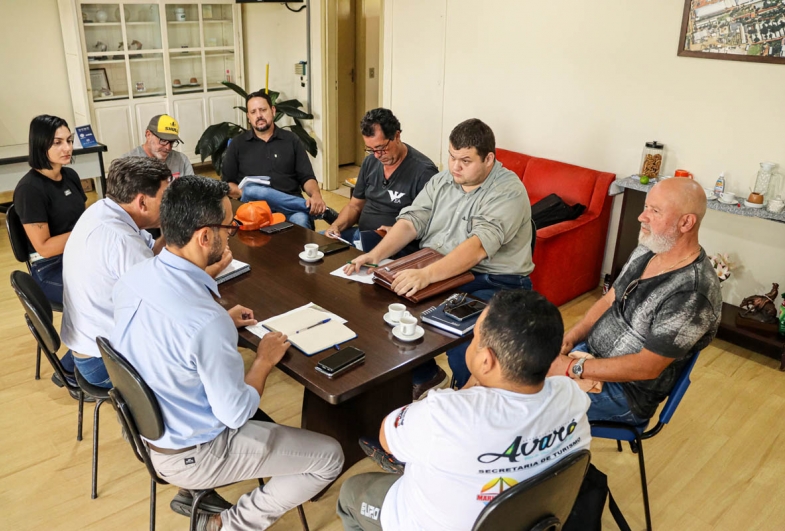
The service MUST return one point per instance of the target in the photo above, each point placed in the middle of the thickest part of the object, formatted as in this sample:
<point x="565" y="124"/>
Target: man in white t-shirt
<point x="462" y="448"/>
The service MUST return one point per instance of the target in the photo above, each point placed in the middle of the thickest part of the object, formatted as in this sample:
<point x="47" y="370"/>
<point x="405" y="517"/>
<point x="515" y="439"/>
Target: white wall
<point x="34" y="80"/>
<point x="589" y="83"/>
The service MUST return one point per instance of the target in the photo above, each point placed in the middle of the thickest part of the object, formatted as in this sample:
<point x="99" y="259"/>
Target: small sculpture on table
<point x="759" y="311"/>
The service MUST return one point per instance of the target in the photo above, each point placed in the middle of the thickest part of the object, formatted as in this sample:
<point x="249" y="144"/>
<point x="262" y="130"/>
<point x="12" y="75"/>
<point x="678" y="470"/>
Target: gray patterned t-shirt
<point x="673" y="315"/>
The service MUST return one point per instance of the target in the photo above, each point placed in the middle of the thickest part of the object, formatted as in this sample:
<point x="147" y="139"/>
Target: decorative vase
<point x="126" y="12"/>
<point x="101" y="16"/>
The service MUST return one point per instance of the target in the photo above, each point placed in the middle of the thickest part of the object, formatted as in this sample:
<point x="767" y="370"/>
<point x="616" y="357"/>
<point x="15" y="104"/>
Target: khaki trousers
<point x="300" y="464"/>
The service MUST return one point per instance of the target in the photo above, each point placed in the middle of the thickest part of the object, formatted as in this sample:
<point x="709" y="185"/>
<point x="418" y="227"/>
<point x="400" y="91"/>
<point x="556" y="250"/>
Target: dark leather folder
<point x="419" y="260"/>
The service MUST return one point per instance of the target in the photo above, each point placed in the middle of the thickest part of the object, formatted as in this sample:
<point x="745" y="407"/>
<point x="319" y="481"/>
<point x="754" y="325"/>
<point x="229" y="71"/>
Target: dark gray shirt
<point x="674" y="315"/>
<point x="384" y="198"/>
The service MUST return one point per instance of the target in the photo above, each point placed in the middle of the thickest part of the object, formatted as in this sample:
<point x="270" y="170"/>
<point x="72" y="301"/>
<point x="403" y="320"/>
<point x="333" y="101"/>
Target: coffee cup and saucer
<point x="311" y="253"/>
<point x="408" y="329"/>
<point x="394" y="314"/>
<point x="729" y="198"/>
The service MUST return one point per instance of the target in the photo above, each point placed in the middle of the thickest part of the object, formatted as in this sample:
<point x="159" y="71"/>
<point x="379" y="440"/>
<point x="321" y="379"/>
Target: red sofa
<point x="567" y="256"/>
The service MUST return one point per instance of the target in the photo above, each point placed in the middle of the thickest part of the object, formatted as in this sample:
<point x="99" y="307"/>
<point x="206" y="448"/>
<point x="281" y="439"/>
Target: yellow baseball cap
<point x="165" y="127"/>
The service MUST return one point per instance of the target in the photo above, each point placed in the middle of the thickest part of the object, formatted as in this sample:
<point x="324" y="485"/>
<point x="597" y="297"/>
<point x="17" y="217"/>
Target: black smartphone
<point x="334" y="247"/>
<point x="466" y="310"/>
<point x="341" y="361"/>
<point x="278" y="227"/>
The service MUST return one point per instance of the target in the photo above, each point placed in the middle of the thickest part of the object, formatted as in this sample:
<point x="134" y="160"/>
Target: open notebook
<point x="306" y="330"/>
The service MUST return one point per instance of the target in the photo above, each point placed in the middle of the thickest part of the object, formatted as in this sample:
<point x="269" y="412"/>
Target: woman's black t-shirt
<point x="39" y="199"/>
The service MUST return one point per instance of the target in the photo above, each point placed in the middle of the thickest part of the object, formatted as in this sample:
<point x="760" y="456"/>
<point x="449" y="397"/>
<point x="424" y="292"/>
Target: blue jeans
<point x="94" y="371"/>
<point x="610" y="403"/>
<point x="48" y="274"/>
<point x="482" y="287"/>
<point x="291" y="206"/>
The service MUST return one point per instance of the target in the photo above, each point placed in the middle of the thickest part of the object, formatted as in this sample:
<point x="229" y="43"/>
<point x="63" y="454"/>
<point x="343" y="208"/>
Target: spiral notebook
<point x="435" y="316"/>
<point x="234" y="269"/>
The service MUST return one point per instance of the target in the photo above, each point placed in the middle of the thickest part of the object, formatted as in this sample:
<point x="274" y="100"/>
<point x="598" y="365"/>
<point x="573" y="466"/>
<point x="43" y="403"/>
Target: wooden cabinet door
<point x="114" y="127"/>
<point x="190" y="114"/>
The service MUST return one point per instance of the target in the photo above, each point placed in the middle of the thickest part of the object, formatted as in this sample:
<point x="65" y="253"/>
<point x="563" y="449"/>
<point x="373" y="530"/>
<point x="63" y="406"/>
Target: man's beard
<point x="263" y="128"/>
<point x="658" y="243"/>
<point x="216" y="252"/>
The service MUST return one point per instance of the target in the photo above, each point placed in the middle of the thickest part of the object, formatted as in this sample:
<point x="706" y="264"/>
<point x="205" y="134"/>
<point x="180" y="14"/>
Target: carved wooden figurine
<point x="761" y="307"/>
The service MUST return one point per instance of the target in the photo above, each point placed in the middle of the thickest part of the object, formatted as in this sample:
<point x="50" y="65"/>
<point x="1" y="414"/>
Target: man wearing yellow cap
<point x="161" y="136"/>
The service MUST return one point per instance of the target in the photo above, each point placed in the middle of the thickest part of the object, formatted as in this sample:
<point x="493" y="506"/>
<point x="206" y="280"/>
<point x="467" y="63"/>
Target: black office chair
<point x="141" y="417"/>
<point x="38" y="315"/>
<point x="540" y="503"/>
<point x="100" y="395"/>
<point x="19" y="246"/>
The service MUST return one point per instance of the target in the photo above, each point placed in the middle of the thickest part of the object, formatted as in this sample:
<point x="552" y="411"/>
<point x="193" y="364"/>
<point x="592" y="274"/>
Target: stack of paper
<point x="263" y="180"/>
<point x="234" y="269"/>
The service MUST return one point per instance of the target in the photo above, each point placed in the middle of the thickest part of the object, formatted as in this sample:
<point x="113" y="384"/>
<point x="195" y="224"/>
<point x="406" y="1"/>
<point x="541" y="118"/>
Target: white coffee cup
<point x="776" y="205"/>
<point x="396" y="311"/>
<point x="728" y="197"/>
<point x="408" y="325"/>
<point x="311" y="250"/>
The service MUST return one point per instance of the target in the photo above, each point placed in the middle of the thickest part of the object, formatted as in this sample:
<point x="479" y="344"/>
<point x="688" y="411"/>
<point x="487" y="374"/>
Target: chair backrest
<point x="682" y="384"/>
<point x="38" y="310"/>
<point x="141" y="401"/>
<point x="17" y="235"/>
<point x="540" y="503"/>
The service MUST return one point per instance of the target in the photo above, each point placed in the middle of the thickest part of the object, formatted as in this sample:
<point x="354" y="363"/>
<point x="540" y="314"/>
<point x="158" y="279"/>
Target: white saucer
<point x="711" y="197"/>
<point x="418" y="333"/>
<point x="304" y="258"/>
<point x="752" y="205"/>
<point x="389" y="320"/>
<point x="734" y="202"/>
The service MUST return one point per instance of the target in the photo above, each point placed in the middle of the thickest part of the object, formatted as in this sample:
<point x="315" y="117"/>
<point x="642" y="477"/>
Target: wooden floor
<point x="719" y="465"/>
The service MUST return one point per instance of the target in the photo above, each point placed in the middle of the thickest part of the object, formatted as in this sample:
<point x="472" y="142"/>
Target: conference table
<point x="353" y="403"/>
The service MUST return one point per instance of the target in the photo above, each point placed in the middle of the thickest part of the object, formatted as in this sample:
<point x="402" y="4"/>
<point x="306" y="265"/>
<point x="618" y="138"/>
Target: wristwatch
<point x="577" y="368"/>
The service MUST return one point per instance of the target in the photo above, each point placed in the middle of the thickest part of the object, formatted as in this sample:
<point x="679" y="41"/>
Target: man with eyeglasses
<point x="169" y="326"/>
<point x="390" y="177"/>
<point x="160" y="137"/>
<point x="665" y="305"/>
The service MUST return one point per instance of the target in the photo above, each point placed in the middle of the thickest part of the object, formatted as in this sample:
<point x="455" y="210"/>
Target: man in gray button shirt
<point x="477" y="214"/>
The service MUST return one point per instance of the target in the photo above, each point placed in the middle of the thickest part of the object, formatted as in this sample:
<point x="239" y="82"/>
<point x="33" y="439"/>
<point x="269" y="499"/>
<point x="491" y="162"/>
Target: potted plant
<point x="215" y="138"/>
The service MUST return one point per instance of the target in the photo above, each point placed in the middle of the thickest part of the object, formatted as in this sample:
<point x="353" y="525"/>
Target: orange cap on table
<point x="257" y="214"/>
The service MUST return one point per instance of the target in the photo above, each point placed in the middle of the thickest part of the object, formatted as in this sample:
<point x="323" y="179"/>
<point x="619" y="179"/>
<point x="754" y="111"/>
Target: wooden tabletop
<point x="279" y="281"/>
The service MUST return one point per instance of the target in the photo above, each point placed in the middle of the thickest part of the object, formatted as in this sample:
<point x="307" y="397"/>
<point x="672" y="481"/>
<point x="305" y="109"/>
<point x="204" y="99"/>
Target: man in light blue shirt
<point x="184" y="345"/>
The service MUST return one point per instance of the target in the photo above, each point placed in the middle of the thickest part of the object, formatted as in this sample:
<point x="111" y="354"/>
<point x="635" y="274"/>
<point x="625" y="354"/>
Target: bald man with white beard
<point x="664" y="306"/>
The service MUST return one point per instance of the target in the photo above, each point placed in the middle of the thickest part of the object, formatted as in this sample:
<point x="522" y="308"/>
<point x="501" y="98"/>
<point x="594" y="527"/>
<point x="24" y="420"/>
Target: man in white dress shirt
<point x="108" y="239"/>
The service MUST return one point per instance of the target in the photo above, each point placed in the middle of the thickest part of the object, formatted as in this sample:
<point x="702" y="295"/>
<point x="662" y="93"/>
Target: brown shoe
<point x="440" y="380"/>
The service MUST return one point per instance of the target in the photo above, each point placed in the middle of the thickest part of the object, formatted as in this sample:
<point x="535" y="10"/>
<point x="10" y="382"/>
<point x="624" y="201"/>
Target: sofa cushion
<point x="573" y="184"/>
<point x="515" y="162"/>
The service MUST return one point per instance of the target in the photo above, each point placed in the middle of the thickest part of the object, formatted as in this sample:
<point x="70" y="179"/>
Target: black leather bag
<point x="551" y="210"/>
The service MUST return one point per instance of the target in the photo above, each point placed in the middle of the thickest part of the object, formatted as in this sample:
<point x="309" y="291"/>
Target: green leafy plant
<point x="215" y="138"/>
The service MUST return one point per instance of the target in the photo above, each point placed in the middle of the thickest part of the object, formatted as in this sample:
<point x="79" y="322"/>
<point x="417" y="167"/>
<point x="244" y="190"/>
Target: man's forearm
<point x="311" y="188"/>
<point x="234" y="191"/>
<point x="257" y="375"/>
<point x="644" y="365"/>
<point x="461" y="259"/>
<point x="349" y="215"/>
<point x="399" y="236"/>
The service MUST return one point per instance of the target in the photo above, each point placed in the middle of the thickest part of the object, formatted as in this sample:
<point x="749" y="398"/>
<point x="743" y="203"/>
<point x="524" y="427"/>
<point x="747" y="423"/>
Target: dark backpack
<point x="586" y="514"/>
<point x="551" y="210"/>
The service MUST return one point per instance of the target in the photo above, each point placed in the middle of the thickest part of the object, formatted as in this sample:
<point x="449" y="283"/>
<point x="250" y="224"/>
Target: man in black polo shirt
<point x="389" y="180"/>
<point x="269" y="151"/>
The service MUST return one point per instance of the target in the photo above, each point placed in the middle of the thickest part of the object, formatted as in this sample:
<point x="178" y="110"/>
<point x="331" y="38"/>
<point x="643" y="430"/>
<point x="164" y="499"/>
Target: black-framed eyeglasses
<point x="233" y="228"/>
<point x="627" y="292"/>
<point x="378" y="150"/>
<point x="173" y="143"/>
<point x="454" y="300"/>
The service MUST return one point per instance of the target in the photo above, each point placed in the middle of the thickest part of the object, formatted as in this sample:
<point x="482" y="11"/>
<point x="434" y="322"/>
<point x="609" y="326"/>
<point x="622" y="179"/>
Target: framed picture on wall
<point x="738" y="30"/>
<point x="99" y="80"/>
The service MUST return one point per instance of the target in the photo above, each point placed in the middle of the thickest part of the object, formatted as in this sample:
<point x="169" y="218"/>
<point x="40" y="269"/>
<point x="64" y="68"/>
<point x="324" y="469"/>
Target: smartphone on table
<point x="341" y="361"/>
<point x="333" y="247"/>
<point x="466" y="310"/>
<point x="278" y="227"/>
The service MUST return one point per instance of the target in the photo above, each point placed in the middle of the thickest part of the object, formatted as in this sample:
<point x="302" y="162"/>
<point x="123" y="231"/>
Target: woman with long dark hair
<point x="49" y="200"/>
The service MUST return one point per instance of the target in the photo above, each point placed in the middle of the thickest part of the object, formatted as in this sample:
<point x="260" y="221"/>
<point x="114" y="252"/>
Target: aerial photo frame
<point x="734" y="30"/>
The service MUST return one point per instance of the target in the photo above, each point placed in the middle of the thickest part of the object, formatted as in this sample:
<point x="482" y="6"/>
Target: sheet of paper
<point x="365" y="275"/>
<point x="260" y="331"/>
